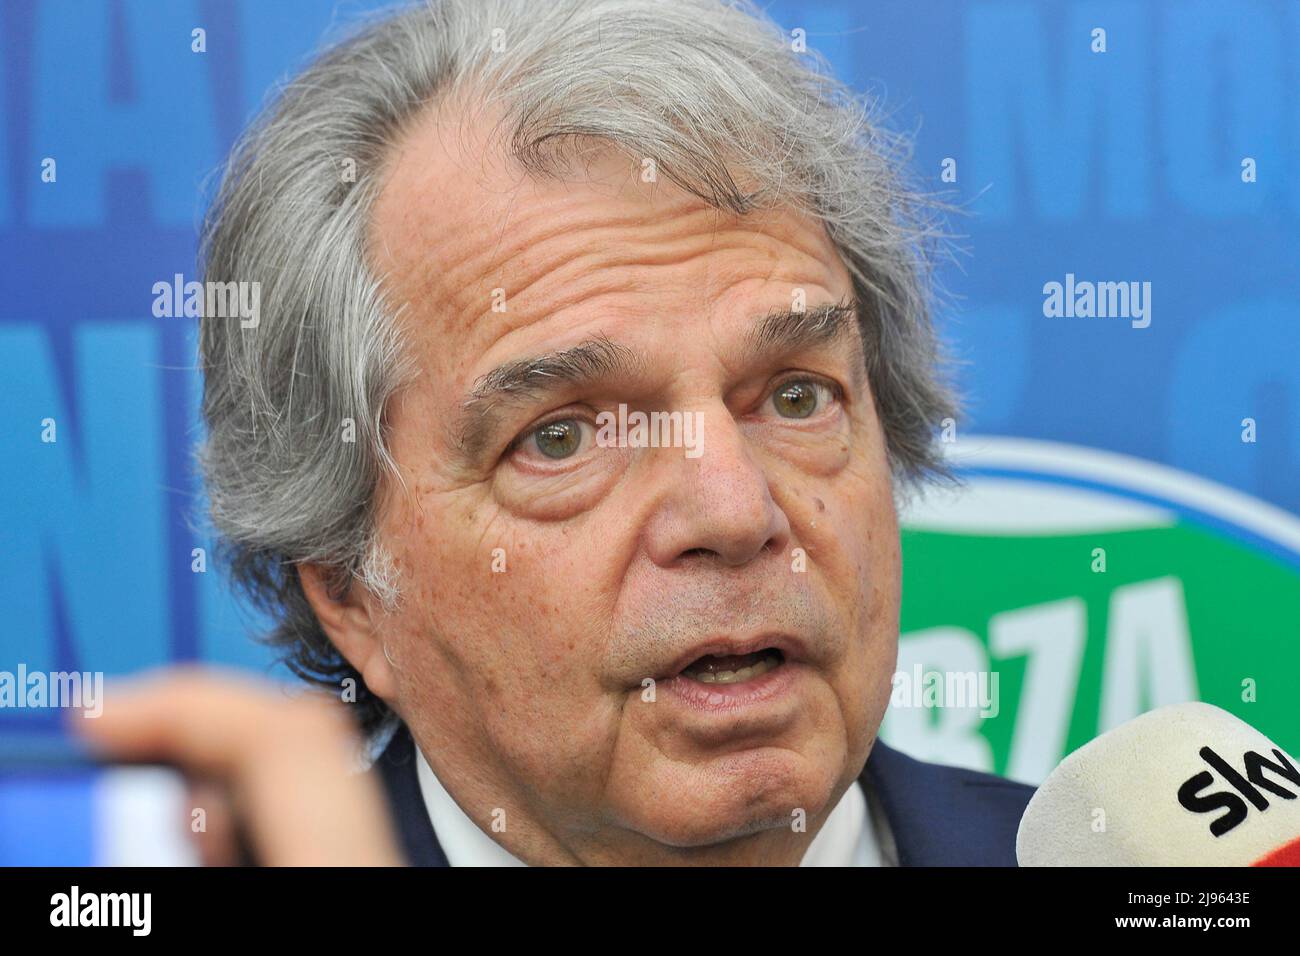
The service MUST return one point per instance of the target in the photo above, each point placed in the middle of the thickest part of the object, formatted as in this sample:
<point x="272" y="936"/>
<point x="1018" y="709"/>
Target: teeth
<point x="735" y="677"/>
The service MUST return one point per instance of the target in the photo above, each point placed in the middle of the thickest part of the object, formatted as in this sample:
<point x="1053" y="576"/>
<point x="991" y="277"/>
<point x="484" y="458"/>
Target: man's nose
<point x="718" y="506"/>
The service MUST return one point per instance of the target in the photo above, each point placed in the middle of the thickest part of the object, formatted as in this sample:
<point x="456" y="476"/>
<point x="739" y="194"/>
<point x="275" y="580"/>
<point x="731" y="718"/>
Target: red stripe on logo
<point x="1288" y="854"/>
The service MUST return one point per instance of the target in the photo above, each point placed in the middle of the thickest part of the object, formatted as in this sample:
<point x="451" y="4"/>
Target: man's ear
<point x="350" y="624"/>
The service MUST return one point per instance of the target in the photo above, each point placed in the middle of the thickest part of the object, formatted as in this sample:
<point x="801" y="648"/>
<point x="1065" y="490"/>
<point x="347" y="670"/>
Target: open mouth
<point x="733" y="668"/>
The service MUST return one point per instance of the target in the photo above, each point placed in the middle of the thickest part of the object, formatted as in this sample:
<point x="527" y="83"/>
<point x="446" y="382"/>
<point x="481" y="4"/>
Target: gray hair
<point x="710" y="90"/>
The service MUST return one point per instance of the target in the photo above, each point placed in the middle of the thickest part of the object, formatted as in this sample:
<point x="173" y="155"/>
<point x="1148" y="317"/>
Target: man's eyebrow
<point x="788" y="330"/>
<point x="526" y="379"/>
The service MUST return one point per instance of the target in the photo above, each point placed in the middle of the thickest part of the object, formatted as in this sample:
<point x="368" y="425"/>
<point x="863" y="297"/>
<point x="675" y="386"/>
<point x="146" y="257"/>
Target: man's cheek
<point x="557" y="740"/>
<point x="526" y="630"/>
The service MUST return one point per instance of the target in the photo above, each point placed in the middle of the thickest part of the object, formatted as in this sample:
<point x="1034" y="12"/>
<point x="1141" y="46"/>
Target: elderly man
<point x="485" y="229"/>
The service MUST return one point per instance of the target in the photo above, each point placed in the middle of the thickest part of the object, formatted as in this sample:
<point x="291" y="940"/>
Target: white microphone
<point x="1184" y="785"/>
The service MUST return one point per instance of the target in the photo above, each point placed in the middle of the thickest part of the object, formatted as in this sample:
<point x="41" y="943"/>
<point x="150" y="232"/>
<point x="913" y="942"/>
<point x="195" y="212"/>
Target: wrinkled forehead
<point x="459" y="226"/>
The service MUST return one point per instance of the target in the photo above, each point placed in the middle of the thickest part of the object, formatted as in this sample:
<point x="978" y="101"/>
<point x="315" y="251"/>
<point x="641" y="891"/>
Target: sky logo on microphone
<point x="1192" y="796"/>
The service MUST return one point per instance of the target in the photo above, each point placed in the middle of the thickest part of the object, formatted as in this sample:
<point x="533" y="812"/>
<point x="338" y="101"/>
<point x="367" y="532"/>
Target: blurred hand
<point x="284" y="763"/>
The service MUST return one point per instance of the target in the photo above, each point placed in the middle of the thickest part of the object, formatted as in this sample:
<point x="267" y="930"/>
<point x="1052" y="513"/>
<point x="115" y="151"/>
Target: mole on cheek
<point x="821" y="505"/>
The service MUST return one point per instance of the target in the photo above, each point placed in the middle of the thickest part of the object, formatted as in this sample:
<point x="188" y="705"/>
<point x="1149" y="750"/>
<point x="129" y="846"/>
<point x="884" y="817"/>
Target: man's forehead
<point x="474" y="249"/>
<point x="456" y="216"/>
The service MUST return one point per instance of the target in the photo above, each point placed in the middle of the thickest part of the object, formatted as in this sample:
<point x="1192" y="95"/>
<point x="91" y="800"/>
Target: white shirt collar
<point x="848" y="838"/>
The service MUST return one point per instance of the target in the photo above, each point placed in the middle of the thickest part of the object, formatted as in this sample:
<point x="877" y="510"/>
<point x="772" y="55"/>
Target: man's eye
<point x="801" y="398"/>
<point x="555" y="440"/>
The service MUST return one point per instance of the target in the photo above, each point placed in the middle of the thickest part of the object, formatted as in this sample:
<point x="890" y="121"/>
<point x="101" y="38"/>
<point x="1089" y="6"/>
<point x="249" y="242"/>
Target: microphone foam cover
<point x="1176" y="786"/>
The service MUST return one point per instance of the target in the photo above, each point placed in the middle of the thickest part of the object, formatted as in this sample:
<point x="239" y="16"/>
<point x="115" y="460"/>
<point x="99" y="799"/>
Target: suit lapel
<point x="397" y="770"/>
<point x="945" y="816"/>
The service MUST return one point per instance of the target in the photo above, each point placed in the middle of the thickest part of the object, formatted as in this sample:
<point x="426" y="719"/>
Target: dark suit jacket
<point x="939" y="816"/>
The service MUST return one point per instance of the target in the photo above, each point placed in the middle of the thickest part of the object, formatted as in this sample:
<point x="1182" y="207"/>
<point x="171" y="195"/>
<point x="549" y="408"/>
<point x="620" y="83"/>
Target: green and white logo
<point x="1066" y="590"/>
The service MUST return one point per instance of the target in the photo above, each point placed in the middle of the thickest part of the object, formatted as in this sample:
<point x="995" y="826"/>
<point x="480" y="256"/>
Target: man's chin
<point x="728" y="797"/>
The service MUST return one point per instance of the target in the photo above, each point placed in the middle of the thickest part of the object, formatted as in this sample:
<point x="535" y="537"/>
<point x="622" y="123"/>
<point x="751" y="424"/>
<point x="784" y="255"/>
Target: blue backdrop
<point x="1123" y="165"/>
